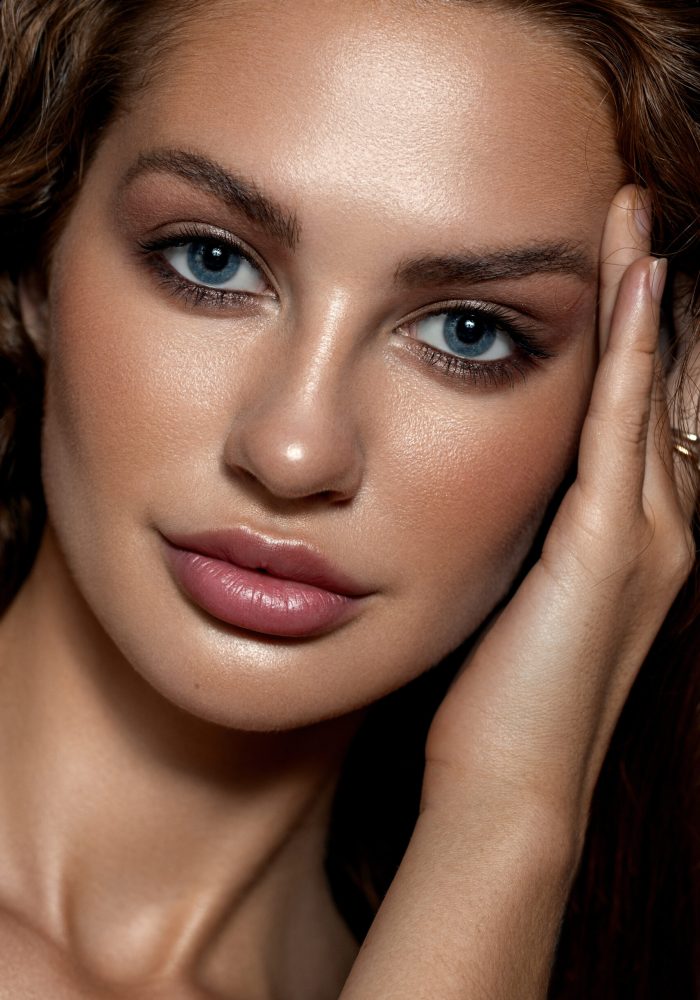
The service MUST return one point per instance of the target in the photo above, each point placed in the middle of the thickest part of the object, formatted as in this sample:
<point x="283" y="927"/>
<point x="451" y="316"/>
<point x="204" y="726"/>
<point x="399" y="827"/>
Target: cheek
<point x="129" y="399"/>
<point x="97" y="412"/>
<point x="474" y="482"/>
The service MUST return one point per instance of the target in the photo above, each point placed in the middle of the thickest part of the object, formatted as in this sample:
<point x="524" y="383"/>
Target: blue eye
<point x="215" y="264"/>
<point x="466" y="334"/>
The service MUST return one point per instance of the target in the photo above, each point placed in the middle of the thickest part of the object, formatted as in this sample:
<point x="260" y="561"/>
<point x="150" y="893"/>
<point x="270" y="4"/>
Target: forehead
<point x="418" y="109"/>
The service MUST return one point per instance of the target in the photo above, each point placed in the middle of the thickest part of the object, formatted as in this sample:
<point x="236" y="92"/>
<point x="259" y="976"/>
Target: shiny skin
<point x="305" y="415"/>
<point x="392" y="131"/>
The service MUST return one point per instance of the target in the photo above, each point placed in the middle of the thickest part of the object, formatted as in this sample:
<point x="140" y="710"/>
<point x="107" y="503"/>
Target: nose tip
<point x="297" y="454"/>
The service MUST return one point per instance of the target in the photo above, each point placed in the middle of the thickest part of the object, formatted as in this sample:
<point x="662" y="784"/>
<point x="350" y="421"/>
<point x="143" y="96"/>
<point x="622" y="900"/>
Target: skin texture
<point x="515" y="748"/>
<point x="181" y="770"/>
<point x="305" y="415"/>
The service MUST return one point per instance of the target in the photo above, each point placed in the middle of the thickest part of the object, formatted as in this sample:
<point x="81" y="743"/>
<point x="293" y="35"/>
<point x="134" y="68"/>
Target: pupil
<point x="466" y="330"/>
<point x="214" y="258"/>
<point x="469" y="335"/>
<point x="213" y="263"/>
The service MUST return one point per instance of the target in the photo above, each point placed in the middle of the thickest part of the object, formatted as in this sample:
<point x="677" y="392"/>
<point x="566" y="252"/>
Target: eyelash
<point x="192" y="294"/>
<point x="527" y="355"/>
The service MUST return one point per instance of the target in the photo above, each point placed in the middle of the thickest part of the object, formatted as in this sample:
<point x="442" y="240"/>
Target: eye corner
<point x="502" y="356"/>
<point x="466" y="330"/>
<point x="191" y="257"/>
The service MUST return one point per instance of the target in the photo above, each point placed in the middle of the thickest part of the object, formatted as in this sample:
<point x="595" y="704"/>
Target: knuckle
<point x="626" y="427"/>
<point x="637" y="542"/>
<point x="623" y="407"/>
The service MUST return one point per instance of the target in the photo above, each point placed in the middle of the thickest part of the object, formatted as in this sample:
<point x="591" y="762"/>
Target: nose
<point x="297" y="436"/>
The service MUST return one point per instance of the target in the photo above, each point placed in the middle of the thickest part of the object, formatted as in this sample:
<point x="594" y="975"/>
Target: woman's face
<point x="393" y="376"/>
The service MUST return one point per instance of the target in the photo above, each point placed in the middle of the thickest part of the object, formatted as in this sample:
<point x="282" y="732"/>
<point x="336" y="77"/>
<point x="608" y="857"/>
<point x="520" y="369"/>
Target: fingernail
<point x="642" y="214"/>
<point x="657" y="278"/>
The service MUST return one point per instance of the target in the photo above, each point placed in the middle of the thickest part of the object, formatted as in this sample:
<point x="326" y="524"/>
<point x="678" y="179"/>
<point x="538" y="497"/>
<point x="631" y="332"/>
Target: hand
<point x="526" y="724"/>
<point x="515" y="749"/>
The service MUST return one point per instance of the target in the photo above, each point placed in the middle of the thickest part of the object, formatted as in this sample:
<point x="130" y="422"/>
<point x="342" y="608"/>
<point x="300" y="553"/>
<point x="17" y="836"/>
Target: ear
<point x="34" y="309"/>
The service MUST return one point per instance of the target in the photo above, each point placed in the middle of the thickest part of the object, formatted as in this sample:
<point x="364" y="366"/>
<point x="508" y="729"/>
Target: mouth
<point x="273" y="587"/>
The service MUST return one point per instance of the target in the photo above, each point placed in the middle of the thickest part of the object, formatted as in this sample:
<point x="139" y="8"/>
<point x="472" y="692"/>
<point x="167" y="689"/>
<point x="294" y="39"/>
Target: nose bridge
<point x="298" y="434"/>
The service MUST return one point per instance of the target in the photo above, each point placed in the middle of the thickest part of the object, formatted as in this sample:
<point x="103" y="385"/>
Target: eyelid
<point x="191" y="231"/>
<point x="520" y="328"/>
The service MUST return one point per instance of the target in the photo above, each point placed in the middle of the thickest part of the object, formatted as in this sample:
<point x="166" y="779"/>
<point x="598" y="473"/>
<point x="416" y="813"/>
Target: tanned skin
<point x="165" y="780"/>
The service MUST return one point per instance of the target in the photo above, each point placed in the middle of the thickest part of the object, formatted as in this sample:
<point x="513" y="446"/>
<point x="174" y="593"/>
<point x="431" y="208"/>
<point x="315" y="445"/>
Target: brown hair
<point x="633" y="918"/>
<point x="62" y="65"/>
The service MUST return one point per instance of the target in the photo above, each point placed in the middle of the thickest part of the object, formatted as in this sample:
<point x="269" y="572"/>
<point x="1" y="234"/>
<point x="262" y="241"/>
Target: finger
<point x="684" y="396"/>
<point x="626" y="238"/>
<point x="659" y="440"/>
<point x="683" y="433"/>
<point x="671" y="480"/>
<point x="660" y="461"/>
<point x="667" y="484"/>
<point x="613" y="449"/>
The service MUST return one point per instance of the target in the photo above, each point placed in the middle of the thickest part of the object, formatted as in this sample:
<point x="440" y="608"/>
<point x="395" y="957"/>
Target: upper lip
<point x="283" y="558"/>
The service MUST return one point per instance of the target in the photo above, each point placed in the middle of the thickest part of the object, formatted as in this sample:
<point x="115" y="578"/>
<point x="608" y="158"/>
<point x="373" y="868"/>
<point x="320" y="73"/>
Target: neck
<point x="139" y="837"/>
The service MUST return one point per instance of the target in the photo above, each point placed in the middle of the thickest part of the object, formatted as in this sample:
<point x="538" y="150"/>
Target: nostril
<point x="293" y="457"/>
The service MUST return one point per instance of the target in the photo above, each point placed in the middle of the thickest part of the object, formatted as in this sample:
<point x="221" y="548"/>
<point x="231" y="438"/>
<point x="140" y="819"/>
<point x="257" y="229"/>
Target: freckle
<point x="197" y="686"/>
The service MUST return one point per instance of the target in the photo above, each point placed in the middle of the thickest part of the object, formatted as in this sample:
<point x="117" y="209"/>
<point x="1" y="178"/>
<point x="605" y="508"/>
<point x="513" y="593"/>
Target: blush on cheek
<point x="526" y="472"/>
<point x="84" y="377"/>
<point x="105" y="404"/>
<point x="93" y="454"/>
<point x="500" y="496"/>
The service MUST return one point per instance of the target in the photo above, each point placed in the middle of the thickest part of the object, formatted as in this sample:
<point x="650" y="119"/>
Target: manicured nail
<point x="657" y="278"/>
<point x="642" y="214"/>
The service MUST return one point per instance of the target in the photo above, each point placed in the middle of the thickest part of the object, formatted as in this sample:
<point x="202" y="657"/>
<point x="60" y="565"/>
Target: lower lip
<point x="255" y="601"/>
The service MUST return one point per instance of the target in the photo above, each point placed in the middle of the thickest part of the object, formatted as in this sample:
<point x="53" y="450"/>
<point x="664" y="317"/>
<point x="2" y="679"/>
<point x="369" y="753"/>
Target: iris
<point x="212" y="263"/>
<point x="468" y="335"/>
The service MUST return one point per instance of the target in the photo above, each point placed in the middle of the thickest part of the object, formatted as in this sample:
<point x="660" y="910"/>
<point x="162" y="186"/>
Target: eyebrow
<point x="235" y="192"/>
<point x="474" y="267"/>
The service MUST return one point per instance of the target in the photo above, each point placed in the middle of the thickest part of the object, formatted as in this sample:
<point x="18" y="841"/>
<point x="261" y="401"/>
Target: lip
<point x="270" y="586"/>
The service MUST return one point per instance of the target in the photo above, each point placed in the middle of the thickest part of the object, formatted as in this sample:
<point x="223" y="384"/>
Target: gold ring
<point x="687" y="445"/>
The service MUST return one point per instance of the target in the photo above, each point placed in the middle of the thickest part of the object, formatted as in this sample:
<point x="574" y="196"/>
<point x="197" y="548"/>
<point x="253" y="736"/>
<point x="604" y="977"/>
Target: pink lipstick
<point x="273" y="587"/>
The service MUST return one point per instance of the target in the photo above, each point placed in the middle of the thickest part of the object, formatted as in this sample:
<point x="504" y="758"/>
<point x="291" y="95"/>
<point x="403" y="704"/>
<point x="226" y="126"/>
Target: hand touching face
<point x="331" y="282"/>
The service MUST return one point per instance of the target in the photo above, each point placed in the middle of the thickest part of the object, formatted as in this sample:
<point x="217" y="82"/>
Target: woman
<point x="318" y="292"/>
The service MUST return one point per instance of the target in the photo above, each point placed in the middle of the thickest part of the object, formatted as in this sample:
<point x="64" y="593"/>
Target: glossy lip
<point x="274" y="587"/>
